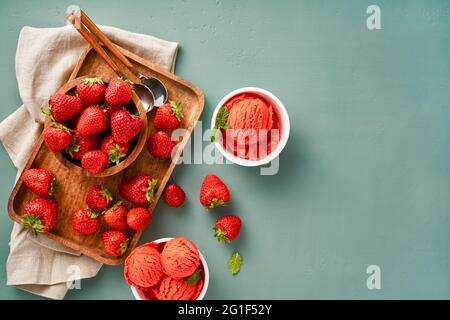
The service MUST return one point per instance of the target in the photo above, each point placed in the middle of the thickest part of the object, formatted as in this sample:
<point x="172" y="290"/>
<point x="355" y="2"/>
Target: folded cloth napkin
<point x="44" y="60"/>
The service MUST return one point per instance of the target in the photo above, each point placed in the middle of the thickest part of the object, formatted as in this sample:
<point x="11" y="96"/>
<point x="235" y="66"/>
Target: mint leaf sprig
<point x="194" y="278"/>
<point x="235" y="263"/>
<point x="221" y="123"/>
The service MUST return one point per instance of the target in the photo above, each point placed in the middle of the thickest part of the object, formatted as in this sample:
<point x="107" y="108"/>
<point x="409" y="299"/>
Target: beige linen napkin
<point x="44" y="60"/>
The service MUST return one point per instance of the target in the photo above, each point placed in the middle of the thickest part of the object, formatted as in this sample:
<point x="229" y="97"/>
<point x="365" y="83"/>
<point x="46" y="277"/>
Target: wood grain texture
<point x="73" y="185"/>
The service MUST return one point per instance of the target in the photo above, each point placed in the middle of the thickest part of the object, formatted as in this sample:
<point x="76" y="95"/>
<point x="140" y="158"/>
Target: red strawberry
<point x="213" y="193"/>
<point x="160" y="145"/>
<point x="62" y="107"/>
<point x="115" y="150"/>
<point x="115" y="242"/>
<point x="139" y="190"/>
<point x="116" y="217"/>
<point x="57" y="137"/>
<point x="227" y="228"/>
<point x="98" y="198"/>
<point x="40" y="181"/>
<point x="174" y="196"/>
<point x="86" y="222"/>
<point x="118" y="92"/>
<point x="138" y="218"/>
<point x="168" y="116"/>
<point x="92" y="121"/>
<point x="124" y="127"/>
<point x="40" y="214"/>
<point x="109" y="110"/>
<point x="82" y="144"/>
<point x="91" y="91"/>
<point x="94" y="161"/>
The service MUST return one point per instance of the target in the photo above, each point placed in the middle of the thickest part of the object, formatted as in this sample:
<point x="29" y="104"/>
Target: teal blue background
<point x="365" y="176"/>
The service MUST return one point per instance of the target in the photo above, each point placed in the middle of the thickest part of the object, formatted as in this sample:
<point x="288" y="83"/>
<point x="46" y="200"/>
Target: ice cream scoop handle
<point x="93" y="42"/>
<point x="106" y="42"/>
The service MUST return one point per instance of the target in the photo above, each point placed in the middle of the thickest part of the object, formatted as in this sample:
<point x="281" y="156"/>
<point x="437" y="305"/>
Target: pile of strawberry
<point x="93" y="124"/>
<point x="41" y="214"/>
<point x="139" y="190"/>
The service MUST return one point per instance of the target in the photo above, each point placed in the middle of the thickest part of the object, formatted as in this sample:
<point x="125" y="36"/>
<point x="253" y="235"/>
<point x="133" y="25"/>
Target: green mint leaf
<point x="194" y="278"/>
<point x="221" y="119"/>
<point x="235" y="263"/>
<point x="221" y="123"/>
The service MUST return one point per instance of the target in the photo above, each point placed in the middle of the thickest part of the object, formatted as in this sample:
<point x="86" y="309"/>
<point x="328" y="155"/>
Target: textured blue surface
<point x="365" y="176"/>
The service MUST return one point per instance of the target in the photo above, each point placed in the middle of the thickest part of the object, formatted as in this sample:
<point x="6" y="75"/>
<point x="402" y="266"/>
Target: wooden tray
<point x="72" y="187"/>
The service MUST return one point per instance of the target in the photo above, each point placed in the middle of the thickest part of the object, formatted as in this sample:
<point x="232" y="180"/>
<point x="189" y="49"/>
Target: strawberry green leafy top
<point x="176" y="110"/>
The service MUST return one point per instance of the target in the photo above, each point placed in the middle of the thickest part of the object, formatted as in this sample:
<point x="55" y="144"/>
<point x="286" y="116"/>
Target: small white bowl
<point x="283" y="119"/>
<point x="139" y="295"/>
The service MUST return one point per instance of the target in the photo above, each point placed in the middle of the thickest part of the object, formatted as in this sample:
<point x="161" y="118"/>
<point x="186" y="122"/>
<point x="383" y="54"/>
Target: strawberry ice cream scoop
<point x="252" y="126"/>
<point x="249" y="112"/>
<point x="180" y="258"/>
<point x="171" y="289"/>
<point x="143" y="267"/>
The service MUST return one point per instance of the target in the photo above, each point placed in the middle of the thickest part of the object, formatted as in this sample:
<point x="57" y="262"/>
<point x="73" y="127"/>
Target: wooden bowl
<point x="77" y="169"/>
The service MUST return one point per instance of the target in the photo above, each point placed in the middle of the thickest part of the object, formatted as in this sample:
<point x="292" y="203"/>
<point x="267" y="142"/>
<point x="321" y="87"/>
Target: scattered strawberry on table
<point x="40" y="214"/>
<point x="86" y="221"/>
<point x="40" y="181"/>
<point x="138" y="218"/>
<point x="116" y="217"/>
<point x="91" y="91"/>
<point x="140" y="190"/>
<point x="168" y="116"/>
<point x="160" y="145"/>
<point x="227" y="228"/>
<point x="174" y="196"/>
<point x="99" y="198"/>
<point x="115" y="242"/>
<point x="214" y="193"/>
<point x="92" y="120"/>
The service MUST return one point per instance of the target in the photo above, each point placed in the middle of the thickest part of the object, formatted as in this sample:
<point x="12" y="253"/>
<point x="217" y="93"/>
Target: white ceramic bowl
<point x="283" y="119"/>
<point x="139" y="295"/>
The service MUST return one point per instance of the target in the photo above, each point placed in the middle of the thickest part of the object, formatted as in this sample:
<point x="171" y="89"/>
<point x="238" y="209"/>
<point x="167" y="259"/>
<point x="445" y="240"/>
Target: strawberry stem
<point x="33" y="222"/>
<point x="214" y="203"/>
<point x="221" y="235"/>
<point x="151" y="189"/>
<point x="176" y="110"/>
<point x="115" y="154"/>
<point x="123" y="247"/>
<point x="92" y="81"/>
<point x="93" y="214"/>
<point x="106" y="194"/>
